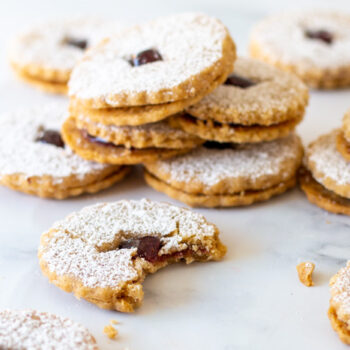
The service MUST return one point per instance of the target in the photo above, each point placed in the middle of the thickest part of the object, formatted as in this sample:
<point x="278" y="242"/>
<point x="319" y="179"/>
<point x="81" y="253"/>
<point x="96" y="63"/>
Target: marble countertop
<point x="250" y="300"/>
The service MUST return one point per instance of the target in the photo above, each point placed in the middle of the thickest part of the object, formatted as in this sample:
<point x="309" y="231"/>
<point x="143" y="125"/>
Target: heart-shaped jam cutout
<point x="241" y="82"/>
<point x="322" y="35"/>
<point x="147" y="247"/>
<point x="51" y="137"/>
<point x="146" y="56"/>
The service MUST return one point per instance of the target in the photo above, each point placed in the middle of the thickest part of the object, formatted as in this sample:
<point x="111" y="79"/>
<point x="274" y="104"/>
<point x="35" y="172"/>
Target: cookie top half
<point x="327" y="165"/>
<point x="235" y="169"/>
<point x="91" y="245"/>
<point x="29" y="329"/>
<point x="255" y="93"/>
<point x="50" y="50"/>
<point x="31" y="146"/>
<point x="168" y="59"/>
<point x="309" y="40"/>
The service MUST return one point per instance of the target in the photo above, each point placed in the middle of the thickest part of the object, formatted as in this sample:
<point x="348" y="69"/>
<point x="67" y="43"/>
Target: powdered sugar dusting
<point x="21" y="154"/>
<point x="282" y="38"/>
<point x="78" y="243"/>
<point x="26" y="329"/>
<point x="328" y="161"/>
<point x="44" y="44"/>
<point x="340" y="290"/>
<point x="210" y="166"/>
<point x="189" y="43"/>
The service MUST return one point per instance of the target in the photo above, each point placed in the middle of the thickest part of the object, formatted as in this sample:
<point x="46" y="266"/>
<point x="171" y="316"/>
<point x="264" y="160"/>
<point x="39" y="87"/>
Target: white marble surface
<point x="250" y="300"/>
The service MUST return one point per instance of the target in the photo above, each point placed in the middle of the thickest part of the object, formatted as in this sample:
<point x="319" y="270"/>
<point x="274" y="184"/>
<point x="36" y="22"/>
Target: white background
<point x="250" y="300"/>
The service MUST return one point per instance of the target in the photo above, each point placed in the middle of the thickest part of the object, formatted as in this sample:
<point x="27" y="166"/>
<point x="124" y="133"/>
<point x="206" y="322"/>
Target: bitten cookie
<point x="229" y="175"/>
<point x="126" y="144"/>
<point x="34" y="159"/>
<point x="339" y="304"/>
<point x="313" y="45"/>
<point x="343" y="137"/>
<point x="166" y="60"/>
<point x="104" y="252"/>
<point x="326" y="177"/>
<point x="34" y="330"/>
<point x="256" y="103"/>
<point x="45" y="55"/>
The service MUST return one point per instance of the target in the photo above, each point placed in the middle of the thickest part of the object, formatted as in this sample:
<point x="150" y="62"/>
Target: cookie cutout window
<point x="51" y="137"/>
<point x="144" y="57"/>
<point x="76" y="42"/>
<point x="322" y="35"/>
<point x="239" y="81"/>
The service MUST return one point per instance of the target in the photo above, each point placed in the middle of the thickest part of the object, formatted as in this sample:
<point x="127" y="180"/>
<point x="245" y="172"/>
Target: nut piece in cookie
<point x="30" y="329"/>
<point x="305" y="270"/>
<point x="104" y="252"/>
<point x="314" y="45"/>
<point x="226" y="174"/>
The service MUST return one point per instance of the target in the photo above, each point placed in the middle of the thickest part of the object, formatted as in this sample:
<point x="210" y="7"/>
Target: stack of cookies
<point x="326" y="176"/>
<point x="250" y="151"/>
<point x="123" y="91"/>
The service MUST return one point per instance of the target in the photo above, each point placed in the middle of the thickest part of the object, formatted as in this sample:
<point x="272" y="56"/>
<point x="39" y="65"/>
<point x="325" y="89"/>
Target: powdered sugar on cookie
<point x="252" y="161"/>
<point x="20" y="153"/>
<point x="327" y="161"/>
<point x="38" y="330"/>
<point x="282" y="38"/>
<point x="85" y="244"/>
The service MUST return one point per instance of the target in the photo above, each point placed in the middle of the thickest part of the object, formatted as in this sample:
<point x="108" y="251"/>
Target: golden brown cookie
<point x="343" y="146"/>
<point x="224" y="132"/>
<point x="255" y="93"/>
<point x="212" y="176"/>
<point x="169" y="59"/>
<point x="102" y="151"/>
<point x="339" y="309"/>
<point x="327" y="165"/>
<point x="104" y="252"/>
<point x="319" y="195"/>
<point x="30" y="329"/>
<point x="35" y="160"/>
<point x="314" y="45"/>
<point x="305" y="270"/>
<point x="44" y="56"/>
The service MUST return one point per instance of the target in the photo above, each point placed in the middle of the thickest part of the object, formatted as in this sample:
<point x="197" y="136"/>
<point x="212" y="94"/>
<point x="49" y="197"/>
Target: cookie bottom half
<point x="343" y="146"/>
<point x="235" y="133"/>
<point x="210" y="201"/>
<point x="47" y="189"/>
<point x="96" y="150"/>
<point x="44" y="85"/>
<point x="322" y="197"/>
<point x="339" y="326"/>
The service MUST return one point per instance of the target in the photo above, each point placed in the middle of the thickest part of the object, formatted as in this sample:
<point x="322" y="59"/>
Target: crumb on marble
<point x="305" y="270"/>
<point x="110" y="331"/>
<point x="114" y="322"/>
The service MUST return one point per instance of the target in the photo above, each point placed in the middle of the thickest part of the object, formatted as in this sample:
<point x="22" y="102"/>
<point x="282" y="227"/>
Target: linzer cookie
<point x="45" y="55"/>
<point x="29" y="329"/>
<point x="34" y="158"/>
<point x="343" y="138"/>
<point x="339" y="304"/>
<point x="314" y="45"/>
<point x="104" y="252"/>
<point x="326" y="177"/>
<point x="126" y="144"/>
<point x="167" y="60"/>
<point x="256" y="103"/>
<point x="223" y="175"/>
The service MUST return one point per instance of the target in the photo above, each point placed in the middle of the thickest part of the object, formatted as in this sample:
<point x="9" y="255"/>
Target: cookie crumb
<point x="305" y="270"/>
<point x="110" y="331"/>
<point x="114" y="322"/>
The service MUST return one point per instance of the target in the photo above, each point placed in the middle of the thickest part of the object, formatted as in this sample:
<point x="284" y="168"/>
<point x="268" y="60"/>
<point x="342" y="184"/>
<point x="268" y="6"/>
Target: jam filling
<point x="97" y="140"/>
<point x="218" y="145"/>
<point x="322" y="35"/>
<point x="241" y="82"/>
<point x="51" y="137"/>
<point x="79" y="43"/>
<point x="144" y="57"/>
